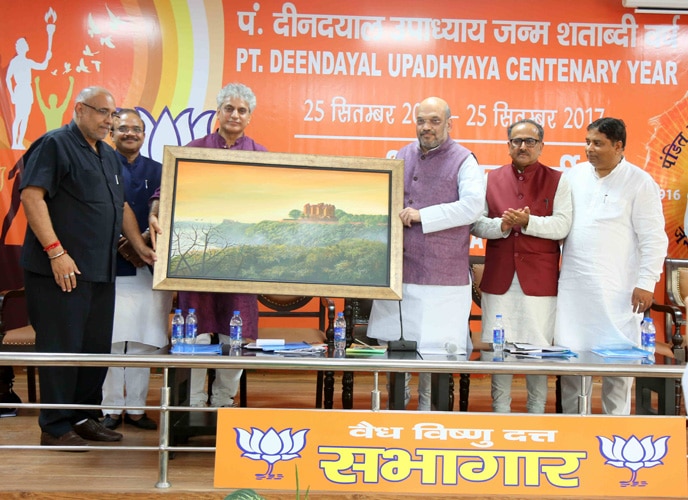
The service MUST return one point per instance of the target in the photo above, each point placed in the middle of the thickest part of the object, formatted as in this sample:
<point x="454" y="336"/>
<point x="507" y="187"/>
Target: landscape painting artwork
<point x="255" y="222"/>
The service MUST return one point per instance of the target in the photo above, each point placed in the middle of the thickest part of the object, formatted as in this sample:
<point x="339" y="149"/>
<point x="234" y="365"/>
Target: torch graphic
<point x="50" y="18"/>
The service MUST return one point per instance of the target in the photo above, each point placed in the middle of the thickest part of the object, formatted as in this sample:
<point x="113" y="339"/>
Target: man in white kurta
<point x="612" y="259"/>
<point x="141" y="313"/>
<point x="444" y="192"/>
<point x="527" y="211"/>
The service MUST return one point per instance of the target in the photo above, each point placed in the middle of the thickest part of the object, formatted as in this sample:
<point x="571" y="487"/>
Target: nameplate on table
<point x="442" y="453"/>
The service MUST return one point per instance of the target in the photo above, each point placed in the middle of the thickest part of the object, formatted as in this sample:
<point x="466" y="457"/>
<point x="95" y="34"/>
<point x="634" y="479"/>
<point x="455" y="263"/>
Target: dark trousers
<point x="76" y="322"/>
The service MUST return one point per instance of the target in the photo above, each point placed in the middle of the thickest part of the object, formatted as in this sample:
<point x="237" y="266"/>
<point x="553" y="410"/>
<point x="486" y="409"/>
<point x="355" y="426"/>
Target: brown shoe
<point x="94" y="431"/>
<point x="69" y="439"/>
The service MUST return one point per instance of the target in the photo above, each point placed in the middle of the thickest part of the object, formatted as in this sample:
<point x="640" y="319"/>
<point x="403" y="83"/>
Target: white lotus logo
<point x="633" y="454"/>
<point x="271" y="447"/>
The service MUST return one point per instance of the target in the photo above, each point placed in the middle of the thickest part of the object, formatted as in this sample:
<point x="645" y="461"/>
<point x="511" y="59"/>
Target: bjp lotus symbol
<point x="633" y="454"/>
<point x="271" y="447"/>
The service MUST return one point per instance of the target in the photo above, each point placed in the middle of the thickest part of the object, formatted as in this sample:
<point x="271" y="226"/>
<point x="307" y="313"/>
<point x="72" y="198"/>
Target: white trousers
<point x="127" y="386"/>
<point x="424" y="390"/>
<point x="501" y="393"/>
<point x="616" y="394"/>
<point x="226" y="383"/>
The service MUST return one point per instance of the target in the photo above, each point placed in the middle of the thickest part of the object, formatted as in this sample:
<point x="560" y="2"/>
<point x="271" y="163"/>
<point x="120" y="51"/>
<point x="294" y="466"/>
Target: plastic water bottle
<point x="498" y="338"/>
<point x="340" y="332"/>
<point x="235" y="326"/>
<point x="191" y="327"/>
<point x="648" y="337"/>
<point x="177" y="327"/>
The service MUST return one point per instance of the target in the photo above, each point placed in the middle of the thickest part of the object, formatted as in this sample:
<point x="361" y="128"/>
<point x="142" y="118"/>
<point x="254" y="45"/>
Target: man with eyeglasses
<point x="444" y="192"/>
<point x="528" y="209"/>
<point x="611" y="262"/>
<point x="73" y="196"/>
<point x="141" y="313"/>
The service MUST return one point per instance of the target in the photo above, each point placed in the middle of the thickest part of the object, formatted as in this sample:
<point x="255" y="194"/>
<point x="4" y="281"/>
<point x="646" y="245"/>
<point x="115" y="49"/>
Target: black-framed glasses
<point x="125" y="130"/>
<point x="529" y="142"/>
<point x="101" y="111"/>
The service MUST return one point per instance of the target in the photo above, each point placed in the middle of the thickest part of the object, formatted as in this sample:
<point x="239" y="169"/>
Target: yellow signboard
<point x="444" y="453"/>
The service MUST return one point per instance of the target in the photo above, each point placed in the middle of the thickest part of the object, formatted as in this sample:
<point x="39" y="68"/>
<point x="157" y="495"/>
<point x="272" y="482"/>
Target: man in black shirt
<point x="73" y="197"/>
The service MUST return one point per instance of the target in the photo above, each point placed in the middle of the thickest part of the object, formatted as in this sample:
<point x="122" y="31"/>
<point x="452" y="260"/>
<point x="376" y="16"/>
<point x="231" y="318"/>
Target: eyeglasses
<point x="126" y="130"/>
<point x="231" y="109"/>
<point x="102" y="111"/>
<point x="530" y="142"/>
<point x="435" y="122"/>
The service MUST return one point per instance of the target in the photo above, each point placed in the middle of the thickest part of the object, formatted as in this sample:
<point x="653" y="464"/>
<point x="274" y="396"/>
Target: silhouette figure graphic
<point x="21" y="93"/>
<point x="52" y="112"/>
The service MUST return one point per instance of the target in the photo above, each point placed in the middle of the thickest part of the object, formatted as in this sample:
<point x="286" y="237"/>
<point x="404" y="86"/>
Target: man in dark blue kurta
<point x="141" y="313"/>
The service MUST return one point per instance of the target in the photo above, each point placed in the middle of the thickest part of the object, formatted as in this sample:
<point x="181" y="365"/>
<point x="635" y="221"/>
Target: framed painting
<point x="276" y="223"/>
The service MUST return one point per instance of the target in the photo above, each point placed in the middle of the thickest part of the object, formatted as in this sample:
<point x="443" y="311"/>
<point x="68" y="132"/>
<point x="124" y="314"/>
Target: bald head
<point x="94" y="111"/>
<point x="86" y="94"/>
<point x="435" y="104"/>
<point x="433" y="123"/>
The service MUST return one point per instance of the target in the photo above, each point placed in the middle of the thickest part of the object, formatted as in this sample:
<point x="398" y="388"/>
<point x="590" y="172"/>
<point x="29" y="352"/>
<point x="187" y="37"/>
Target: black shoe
<point x="142" y="423"/>
<point x="94" y="431"/>
<point x="8" y="412"/>
<point x="69" y="439"/>
<point x="7" y="395"/>
<point x="111" y="421"/>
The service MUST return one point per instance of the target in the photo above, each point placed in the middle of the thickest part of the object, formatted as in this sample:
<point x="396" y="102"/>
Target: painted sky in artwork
<point x="248" y="193"/>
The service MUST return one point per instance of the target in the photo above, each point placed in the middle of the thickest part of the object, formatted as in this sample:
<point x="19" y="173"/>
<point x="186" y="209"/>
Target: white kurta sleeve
<point x="465" y="211"/>
<point x="489" y="227"/>
<point x="557" y="225"/>
<point x="648" y="223"/>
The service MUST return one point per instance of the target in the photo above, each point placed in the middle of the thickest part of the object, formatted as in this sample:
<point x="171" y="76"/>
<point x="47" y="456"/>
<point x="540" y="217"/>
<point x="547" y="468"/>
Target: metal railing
<point x="587" y="365"/>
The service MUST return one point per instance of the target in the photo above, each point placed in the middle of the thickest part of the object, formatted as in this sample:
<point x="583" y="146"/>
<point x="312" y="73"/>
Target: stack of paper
<point x="279" y="346"/>
<point x="534" y="351"/>
<point x="365" y="350"/>
<point x="196" y="349"/>
<point x="628" y="353"/>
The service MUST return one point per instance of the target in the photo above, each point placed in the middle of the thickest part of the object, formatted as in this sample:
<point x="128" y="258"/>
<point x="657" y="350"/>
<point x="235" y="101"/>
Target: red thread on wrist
<point x="51" y="246"/>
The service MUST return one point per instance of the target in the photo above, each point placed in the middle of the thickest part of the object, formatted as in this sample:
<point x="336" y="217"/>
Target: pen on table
<point x="367" y="346"/>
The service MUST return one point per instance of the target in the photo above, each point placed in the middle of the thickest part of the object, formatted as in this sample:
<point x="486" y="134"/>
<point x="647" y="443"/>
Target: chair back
<point x="477" y="264"/>
<point x="676" y="287"/>
<point x="292" y="309"/>
<point x="675" y="275"/>
<point x="16" y="334"/>
<point x="357" y="315"/>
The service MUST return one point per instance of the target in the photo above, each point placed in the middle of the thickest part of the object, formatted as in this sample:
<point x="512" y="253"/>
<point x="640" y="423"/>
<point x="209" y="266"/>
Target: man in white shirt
<point x="612" y="259"/>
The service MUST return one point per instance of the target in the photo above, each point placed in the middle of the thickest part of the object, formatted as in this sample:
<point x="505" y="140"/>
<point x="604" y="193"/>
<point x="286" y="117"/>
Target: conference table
<point x="442" y="367"/>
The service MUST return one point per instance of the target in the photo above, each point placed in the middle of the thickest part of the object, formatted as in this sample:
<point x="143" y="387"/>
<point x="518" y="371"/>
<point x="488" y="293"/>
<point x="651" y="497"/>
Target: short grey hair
<point x="89" y="92"/>
<point x="240" y="91"/>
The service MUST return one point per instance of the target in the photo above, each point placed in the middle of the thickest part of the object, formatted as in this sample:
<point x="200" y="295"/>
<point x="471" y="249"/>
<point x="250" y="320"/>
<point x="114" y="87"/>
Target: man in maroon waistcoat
<point x="528" y="210"/>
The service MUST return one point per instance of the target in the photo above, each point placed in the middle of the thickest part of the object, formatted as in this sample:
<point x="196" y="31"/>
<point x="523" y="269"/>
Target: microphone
<point x="402" y="345"/>
<point x="451" y="347"/>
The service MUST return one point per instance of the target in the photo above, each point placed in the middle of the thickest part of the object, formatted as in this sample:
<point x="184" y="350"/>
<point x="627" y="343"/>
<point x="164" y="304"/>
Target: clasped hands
<point x="515" y="217"/>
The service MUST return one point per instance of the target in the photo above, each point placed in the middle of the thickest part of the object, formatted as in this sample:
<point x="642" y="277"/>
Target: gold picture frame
<point x="278" y="223"/>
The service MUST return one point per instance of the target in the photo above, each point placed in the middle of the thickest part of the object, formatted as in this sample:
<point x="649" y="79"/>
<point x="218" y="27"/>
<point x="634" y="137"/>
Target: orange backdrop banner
<point x="444" y="453"/>
<point x="344" y="78"/>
